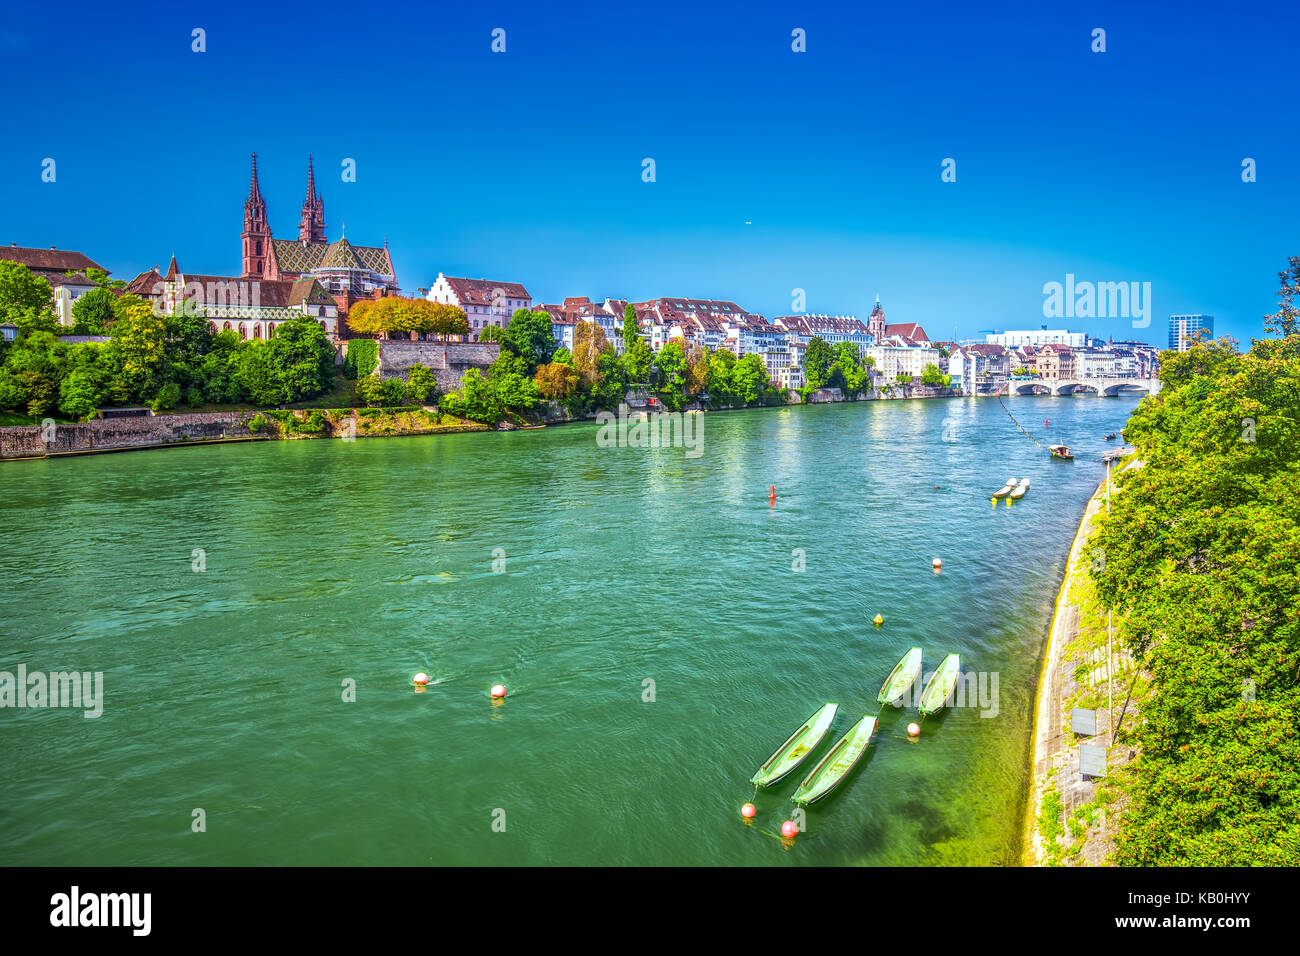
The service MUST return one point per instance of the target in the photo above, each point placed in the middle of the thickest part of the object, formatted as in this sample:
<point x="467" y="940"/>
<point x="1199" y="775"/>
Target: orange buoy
<point x="936" y="564"/>
<point x="913" y="730"/>
<point x="748" y="811"/>
<point x="771" y="493"/>
<point x="498" y="690"/>
<point x="421" y="679"/>
<point x="789" y="829"/>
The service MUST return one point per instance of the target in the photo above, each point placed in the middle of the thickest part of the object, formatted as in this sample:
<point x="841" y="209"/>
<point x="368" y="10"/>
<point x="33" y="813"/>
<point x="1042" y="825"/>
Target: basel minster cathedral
<point x="347" y="272"/>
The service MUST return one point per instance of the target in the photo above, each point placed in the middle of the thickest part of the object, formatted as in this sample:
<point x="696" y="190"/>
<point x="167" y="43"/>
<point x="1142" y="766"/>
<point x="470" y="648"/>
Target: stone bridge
<point x="1100" y="387"/>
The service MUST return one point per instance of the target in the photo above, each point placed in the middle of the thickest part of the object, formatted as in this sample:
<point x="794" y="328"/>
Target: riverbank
<point x="34" y="442"/>
<point x="1071" y="818"/>
<point x="29" y="442"/>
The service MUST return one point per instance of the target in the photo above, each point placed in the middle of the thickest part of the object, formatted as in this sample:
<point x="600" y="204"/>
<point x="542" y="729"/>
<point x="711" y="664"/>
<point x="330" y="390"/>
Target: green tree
<point x="421" y="385"/>
<point x="749" y="378"/>
<point x="303" y="358"/>
<point x="818" y="362"/>
<point x="531" y="334"/>
<point x="92" y="313"/>
<point x="722" y="389"/>
<point x="930" y="375"/>
<point x="25" y="299"/>
<point x="495" y="333"/>
<point x="1200" y="548"/>
<point x="671" y="365"/>
<point x="139" y="350"/>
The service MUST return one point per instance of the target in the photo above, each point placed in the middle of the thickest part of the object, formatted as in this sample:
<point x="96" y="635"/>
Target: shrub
<point x="393" y="391"/>
<point x="258" y="423"/>
<point x="168" y="396"/>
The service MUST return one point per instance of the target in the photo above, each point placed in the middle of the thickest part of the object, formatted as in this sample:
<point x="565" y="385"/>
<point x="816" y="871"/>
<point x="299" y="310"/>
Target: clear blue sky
<point x="526" y="165"/>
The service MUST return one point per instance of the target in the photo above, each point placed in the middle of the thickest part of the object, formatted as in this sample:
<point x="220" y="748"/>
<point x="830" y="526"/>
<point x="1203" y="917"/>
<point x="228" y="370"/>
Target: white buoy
<point x="936" y="564"/>
<point x="421" y="678"/>
<point x="498" y="691"/>
<point x="913" y="730"/>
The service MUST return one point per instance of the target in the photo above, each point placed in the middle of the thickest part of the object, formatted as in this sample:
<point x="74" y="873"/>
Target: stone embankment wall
<point x="449" y="360"/>
<point x="108" y="434"/>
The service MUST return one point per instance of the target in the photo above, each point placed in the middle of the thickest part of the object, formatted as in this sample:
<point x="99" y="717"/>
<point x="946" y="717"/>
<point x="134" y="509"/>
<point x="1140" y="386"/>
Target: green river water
<point x="371" y="560"/>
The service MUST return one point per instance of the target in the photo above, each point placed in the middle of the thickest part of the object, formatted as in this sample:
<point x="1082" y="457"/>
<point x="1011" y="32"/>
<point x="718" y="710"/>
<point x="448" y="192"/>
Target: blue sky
<point x="775" y="170"/>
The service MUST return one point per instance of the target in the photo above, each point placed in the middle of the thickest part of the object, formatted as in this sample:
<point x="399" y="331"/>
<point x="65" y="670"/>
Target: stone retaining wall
<point x="449" y="360"/>
<point x="106" y="434"/>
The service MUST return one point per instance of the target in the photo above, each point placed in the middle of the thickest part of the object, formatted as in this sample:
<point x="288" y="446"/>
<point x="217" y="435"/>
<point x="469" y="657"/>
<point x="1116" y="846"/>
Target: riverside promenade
<point x="1076" y="673"/>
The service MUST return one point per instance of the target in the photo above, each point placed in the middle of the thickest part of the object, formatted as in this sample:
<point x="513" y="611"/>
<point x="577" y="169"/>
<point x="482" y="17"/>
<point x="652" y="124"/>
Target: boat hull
<point x="937" y="693"/>
<point x="796" y="748"/>
<point x="901" y="678"/>
<point x="836" y="765"/>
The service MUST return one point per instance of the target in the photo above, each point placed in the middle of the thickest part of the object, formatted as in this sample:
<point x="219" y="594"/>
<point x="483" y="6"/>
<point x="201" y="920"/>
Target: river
<point x="231" y="594"/>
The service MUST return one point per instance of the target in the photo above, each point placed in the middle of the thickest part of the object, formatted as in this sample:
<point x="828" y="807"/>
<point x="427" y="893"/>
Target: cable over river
<point x="659" y="624"/>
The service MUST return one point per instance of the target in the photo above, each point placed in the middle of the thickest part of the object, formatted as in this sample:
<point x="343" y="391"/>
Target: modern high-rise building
<point x="1183" y="330"/>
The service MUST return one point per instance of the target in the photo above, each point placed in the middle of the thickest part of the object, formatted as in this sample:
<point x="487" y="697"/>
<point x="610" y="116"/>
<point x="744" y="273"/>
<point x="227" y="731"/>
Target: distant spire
<point x="254" y="192"/>
<point x="311" y="228"/>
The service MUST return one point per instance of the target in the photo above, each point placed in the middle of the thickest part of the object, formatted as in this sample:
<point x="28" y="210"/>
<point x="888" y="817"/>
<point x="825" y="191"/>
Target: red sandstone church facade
<point x="349" y="273"/>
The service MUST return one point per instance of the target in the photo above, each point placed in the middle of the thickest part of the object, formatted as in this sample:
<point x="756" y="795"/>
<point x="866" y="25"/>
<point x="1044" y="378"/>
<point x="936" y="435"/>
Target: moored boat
<point x="901" y="678"/>
<point x="1005" y="489"/>
<point x="938" y="693"/>
<point x="800" y="744"/>
<point x="835" y="766"/>
<point x="1021" y="490"/>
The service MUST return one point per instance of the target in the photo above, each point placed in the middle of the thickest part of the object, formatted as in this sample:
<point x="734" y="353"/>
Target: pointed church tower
<point x="257" y="231"/>
<point x="311" y="228"/>
<point x="876" y="321"/>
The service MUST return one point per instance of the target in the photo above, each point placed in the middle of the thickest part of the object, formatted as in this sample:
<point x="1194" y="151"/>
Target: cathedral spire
<point x="311" y="228"/>
<point x="254" y="191"/>
<point x="256" y="237"/>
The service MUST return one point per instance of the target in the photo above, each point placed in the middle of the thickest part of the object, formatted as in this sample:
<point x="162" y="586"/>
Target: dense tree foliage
<point x="1200" y="555"/>
<point x="399" y="316"/>
<point x="530" y="336"/>
<point x="158" y="360"/>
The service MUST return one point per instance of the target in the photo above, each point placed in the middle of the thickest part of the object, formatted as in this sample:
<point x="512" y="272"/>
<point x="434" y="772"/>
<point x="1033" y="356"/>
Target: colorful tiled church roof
<point x="292" y="255"/>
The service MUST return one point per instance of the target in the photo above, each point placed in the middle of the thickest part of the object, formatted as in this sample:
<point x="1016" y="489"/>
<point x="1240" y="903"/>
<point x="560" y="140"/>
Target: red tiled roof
<point x="482" y="291"/>
<point x="144" y="283"/>
<point x="48" y="260"/>
<point x="908" y="330"/>
<point x="271" y="293"/>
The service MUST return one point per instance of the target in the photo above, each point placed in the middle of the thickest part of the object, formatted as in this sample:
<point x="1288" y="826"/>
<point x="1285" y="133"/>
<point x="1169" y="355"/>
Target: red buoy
<point x="771" y="494"/>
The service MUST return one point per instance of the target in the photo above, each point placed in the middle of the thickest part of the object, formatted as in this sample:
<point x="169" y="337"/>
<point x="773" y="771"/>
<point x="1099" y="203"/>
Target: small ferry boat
<point x="1062" y="452"/>
<point x="1006" y="489"/>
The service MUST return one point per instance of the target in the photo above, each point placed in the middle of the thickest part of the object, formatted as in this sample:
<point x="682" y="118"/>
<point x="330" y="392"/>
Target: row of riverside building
<point x="310" y="276"/>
